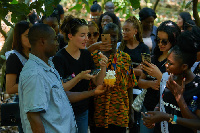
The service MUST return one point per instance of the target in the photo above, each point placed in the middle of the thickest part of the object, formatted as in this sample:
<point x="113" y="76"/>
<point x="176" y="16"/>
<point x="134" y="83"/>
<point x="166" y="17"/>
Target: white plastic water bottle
<point x="193" y="104"/>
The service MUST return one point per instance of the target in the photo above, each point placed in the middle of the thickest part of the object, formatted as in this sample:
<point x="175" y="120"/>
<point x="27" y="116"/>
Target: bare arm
<point x="71" y="83"/>
<point x="78" y="96"/>
<point x="36" y="122"/>
<point x="145" y="84"/>
<point x="98" y="80"/>
<point x="11" y="86"/>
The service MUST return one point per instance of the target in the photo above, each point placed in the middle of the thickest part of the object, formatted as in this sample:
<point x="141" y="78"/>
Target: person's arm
<point x="11" y="86"/>
<point x="156" y="116"/>
<point x="71" y="83"/>
<point x="145" y="84"/>
<point x="102" y="46"/>
<point x="137" y="71"/>
<point x="177" y="91"/>
<point x="98" y="80"/>
<point x="35" y="122"/>
<point x="78" y="96"/>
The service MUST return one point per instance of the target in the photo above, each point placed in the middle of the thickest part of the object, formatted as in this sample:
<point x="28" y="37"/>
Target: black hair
<point x="19" y="29"/>
<point x="185" y="50"/>
<point x="95" y="7"/>
<point x="146" y="12"/>
<point x="111" y="26"/>
<point x="115" y="21"/>
<point x="187" y="20"/>
<point x="172" y="30"/>
<point x="71" y="25"/>
<point x="188" y="44"/>
<point x="38" y="31"/>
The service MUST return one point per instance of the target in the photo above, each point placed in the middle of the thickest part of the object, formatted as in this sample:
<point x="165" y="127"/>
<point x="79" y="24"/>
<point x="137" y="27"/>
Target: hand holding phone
<point x="106" y="38"/>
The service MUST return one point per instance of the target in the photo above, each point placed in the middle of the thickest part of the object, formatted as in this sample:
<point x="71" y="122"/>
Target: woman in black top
<point x="74" y="65"/>
<point x="17" y="58"/>
<point x="180" y="88"/>
<point x="167" y="35"/>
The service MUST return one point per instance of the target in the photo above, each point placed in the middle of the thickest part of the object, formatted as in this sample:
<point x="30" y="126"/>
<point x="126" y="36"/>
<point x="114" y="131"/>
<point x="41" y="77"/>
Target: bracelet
<point x="174" y="120"/>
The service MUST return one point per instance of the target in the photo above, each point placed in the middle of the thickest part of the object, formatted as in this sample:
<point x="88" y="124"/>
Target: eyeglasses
<point x="95" y="34"/>
<point x="163" y="41"/>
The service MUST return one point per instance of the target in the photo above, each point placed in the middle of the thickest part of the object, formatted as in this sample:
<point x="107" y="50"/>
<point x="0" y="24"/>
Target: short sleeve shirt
<point x="40" y="90"/>
<point x="113" y="107"/>
<point x="171" y="106"/>
<point x="13" y="66"/>
<point x="66" y="65"/>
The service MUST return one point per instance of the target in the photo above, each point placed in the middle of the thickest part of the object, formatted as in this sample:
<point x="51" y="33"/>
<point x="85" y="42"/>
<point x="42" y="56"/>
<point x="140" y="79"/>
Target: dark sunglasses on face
<point x="163" y="41"/>
<point x="95" y="34"/>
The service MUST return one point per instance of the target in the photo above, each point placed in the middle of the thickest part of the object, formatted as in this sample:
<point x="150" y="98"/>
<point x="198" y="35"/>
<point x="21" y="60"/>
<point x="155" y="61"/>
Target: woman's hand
<point x="176" y="89"/>
<point x="155" y="84"/>
<point x="104" y="60"/>
<point x="85" y="75"/>
<point x="152" y="70"/>
<point x="103" y="46"/>
<point x="101" y="89"/>
<point x="152" y="117"/>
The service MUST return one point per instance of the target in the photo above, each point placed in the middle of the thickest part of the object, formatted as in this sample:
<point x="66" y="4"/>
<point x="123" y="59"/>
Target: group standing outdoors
<point x="51" y="64"/>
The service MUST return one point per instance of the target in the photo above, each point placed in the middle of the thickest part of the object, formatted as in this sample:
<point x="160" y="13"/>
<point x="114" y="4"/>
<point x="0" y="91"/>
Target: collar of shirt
<point x="42" y="63"/>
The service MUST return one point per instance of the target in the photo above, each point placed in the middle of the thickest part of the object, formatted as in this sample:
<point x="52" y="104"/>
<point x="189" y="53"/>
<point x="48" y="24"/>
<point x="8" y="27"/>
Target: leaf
<point x="135" y="4"/>
<point x="77" y="7"/>
<point x="188" y="4"/>
<point x="14" y="2"/>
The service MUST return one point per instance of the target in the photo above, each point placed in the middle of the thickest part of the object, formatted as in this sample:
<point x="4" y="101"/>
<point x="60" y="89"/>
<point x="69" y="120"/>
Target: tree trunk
<point x="154" y="8"/>
<point x="7" y="46"/>
<point x="195" y="13"/>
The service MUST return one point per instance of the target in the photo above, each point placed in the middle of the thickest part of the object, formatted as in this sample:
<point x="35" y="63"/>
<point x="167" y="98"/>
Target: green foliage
<point x="188" y="4"/>
<point x="21" y="10"/>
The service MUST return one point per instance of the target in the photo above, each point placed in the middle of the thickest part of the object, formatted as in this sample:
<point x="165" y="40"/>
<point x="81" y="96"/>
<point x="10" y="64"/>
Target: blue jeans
<point x="82" y="122"/>
<point x="143" y="128"/>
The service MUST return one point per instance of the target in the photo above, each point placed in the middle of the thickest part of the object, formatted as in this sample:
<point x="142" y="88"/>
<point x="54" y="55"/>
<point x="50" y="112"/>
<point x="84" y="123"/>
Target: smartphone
<point x="146" y="57"/>
<point x="106" y="38"/>
<point x="95" y="71"/>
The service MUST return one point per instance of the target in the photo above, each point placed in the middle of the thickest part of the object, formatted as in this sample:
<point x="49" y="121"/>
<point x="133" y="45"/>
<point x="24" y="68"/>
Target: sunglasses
<point x="95" y="34"/>
<point x="163" y="42"/>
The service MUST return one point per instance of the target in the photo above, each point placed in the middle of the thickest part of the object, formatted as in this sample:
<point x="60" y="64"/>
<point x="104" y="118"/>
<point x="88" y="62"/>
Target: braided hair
<point x="136" y="25"/>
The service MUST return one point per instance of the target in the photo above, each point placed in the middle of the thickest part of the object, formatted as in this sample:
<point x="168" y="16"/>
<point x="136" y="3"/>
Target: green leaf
<point x="188" y="4"/>
<point x="14" y="2"/>
<point x="198" y="7"/>
<point x="77" y="7"/>
<point x="135" y="4"/>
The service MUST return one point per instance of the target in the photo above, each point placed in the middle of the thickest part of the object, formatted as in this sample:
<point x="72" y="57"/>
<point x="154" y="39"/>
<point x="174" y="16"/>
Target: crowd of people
<point x="50" y="70"/>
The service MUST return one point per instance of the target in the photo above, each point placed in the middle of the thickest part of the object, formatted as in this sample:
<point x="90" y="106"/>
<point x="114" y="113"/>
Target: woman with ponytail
<point x="74" y="64"/>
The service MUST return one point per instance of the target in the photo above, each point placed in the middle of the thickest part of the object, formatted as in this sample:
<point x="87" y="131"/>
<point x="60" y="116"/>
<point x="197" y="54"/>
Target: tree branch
<point x="154" y="8"/>
<point x="195" y="13"/>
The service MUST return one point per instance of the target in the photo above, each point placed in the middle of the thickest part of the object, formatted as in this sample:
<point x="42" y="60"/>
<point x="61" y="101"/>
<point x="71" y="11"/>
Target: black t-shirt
<point x="135" y="53"/>
<point x="14" y="66"/>
<point x="171" y="106"/>
<point x="152" y="96"/>
<point x="66" y="65"/>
